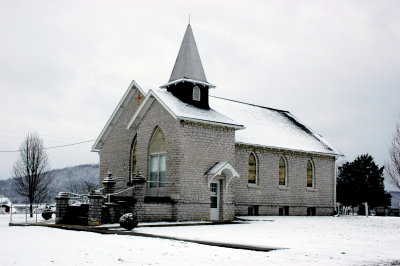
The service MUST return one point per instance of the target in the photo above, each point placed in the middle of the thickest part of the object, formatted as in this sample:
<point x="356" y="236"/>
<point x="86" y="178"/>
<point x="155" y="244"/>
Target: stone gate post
<point x="62" y="199"/>
<point x="95" y="204"/>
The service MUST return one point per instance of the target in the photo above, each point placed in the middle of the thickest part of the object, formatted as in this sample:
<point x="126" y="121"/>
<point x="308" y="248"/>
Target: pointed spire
<point x="188" y="63"/>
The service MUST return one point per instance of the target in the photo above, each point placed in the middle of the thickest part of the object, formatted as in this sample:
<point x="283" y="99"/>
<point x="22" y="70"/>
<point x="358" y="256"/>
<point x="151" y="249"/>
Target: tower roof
<point x="188" y="66"/>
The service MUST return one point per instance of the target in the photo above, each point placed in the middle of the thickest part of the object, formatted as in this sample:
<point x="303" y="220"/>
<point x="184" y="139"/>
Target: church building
<point x="212" y="158"/>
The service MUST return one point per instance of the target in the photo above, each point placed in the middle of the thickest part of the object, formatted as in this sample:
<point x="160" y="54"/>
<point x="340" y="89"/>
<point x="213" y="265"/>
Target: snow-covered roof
<point x="218" y="169"/>
<point x="272" y="128"/>
<point x="5" y="201"/>
<point x="182" y="111"/>
<point x="258" y="125"/>
<point x="130" y="92"/>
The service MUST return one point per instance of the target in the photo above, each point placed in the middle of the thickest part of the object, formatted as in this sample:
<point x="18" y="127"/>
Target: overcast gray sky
<point x="64" y="65"/>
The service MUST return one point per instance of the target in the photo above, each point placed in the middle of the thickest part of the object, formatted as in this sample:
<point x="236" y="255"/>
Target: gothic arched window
<point x="133" y="158"/>
<point x="252" y="177"/>
<point x="310" y="174"/>
<point x="157" y="154"/>
<point x="282" y="171"/>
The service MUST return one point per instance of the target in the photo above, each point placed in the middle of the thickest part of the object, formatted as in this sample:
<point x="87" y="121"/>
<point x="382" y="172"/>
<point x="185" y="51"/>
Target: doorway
<point x="214" y="198"/>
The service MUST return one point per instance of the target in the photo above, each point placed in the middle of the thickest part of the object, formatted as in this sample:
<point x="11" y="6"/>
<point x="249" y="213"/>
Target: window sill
<point x="250" y="185"/>
<point x="283" y="187"/>
<point x="311" y="189"/>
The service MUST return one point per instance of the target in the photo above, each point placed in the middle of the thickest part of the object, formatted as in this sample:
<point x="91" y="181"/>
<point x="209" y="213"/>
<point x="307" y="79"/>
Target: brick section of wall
<point x="157" y="116"/>
<point x="203" y="146"/>
<point x="115" y="152"/>
<point x="269" y="196"/>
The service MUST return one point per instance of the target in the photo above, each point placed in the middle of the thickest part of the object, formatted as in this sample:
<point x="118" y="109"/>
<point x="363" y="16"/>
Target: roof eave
<point x="235" y="126"/>
<point x="143" y="108"/>
<point x="289" y="149"/>
<point x="204" y="83"/>
<point x="107" y="128"/>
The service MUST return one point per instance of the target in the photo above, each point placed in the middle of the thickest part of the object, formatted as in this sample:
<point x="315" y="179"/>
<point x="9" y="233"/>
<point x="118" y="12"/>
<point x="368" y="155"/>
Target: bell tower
<point x="188" y="81"/>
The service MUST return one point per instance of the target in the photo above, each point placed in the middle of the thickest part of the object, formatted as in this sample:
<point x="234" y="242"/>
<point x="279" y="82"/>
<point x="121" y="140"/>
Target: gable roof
<point x="182" y="111"/>
<point x="188" y="66"/>
<point x="271" y="128"/>
<point x="259" y="126"/>
<point x="133" y="87"/>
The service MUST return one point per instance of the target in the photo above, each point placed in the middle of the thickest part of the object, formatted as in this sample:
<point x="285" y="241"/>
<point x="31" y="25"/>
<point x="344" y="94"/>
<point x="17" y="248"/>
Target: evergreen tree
<point x="362" y="181"/>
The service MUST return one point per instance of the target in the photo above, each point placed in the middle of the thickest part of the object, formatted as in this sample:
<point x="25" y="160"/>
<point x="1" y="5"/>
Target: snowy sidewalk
<point x="116" y="230"/>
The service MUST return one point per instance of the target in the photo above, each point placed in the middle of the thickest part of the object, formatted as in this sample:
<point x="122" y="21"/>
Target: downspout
<point x="334" y="185"/>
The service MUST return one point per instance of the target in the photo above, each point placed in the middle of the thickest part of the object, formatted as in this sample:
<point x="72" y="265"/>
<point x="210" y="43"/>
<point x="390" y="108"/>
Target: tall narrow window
<point x="252" y="178"/>
<point x="310" y="174"/>
<point x="133" y="158"/>
<point x="196" y="93"/>
<point x="157" y="154"/>
<point x="282" y="172"/>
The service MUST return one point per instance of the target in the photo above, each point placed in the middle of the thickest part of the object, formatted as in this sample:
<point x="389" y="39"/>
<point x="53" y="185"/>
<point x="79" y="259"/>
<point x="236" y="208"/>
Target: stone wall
<point x="115" y="152"/>
<point x="157" y="116"/>
<point x="203" y="146"/>
<point x="192" y="149"/>
<point x="269" y="196"/>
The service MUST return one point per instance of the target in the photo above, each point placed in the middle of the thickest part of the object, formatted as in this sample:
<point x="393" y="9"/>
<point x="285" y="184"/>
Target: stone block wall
<point x="95" y="209"/>
<point x="192" y="149"/>
<point x="61" y="208"/>
<point x="269" y="196"/>
<point x="115" y="152"/>
<point x="204" y="146"/>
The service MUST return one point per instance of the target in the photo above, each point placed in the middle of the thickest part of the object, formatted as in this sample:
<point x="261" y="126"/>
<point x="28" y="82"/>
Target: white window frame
<point x="159" y="189"/>
<point x="196" y="93"/>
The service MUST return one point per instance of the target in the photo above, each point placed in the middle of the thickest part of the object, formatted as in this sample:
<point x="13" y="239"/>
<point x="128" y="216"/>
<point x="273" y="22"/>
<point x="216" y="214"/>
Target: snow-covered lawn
<point x="345" y="240"/>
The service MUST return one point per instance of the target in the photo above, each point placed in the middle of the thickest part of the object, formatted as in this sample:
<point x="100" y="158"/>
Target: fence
<point x="20" y="213"/>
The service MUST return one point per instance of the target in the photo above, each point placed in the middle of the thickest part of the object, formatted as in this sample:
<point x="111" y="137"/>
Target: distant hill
<point x="77" y="179"/>
<point x="395" y="198"/>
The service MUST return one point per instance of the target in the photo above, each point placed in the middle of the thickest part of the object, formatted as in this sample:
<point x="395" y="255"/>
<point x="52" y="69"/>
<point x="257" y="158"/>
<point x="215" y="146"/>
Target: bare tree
<point x="393" y="165"/>
<point x="31" y="171"/>
<point x="88" y="186"/>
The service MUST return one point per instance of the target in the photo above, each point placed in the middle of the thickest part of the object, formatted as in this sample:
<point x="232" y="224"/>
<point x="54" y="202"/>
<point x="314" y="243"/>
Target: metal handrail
<point x="117" y="193"/>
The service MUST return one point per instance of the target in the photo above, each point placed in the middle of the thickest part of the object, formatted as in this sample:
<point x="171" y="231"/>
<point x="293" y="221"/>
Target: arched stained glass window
<point x="157" y="144"/>
<point x="133" y="158"/>
<point x="282" y="172"/>
<point x="310" y="174"/>
<point x="252" y="178"/>
<point x="157" y="154"/>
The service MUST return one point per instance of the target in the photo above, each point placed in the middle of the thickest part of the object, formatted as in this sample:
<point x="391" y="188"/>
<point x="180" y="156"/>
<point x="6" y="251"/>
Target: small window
<point x="282" y="172"/>
<point x="196" y="93"/>
<point x="311" y="211"/>
<point x="310" y="174"/>
<point x="252" y="210"/>
<point x="252" y="177"/>
<point x="284" y="211"/>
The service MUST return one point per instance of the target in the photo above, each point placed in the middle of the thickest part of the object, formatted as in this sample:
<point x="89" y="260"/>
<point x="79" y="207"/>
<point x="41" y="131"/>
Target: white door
<point x="214" y="197"/>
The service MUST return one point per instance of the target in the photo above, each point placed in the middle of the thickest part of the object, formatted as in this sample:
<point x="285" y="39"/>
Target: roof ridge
<point x="236" y="101"/>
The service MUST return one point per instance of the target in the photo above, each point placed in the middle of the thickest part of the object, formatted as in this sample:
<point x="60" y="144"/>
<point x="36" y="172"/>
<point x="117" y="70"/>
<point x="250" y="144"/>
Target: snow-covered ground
<point x="345" y="240"/>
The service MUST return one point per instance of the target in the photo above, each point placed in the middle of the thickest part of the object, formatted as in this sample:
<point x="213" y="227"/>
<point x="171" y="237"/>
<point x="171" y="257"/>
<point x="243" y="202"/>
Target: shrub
<point x="128" y="221"/>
